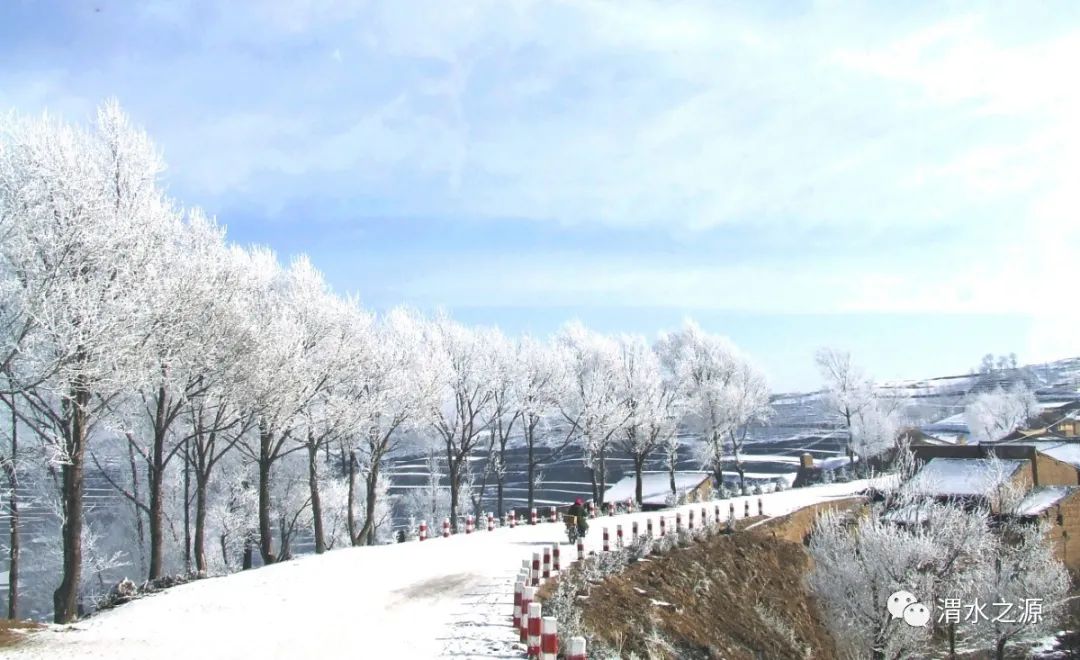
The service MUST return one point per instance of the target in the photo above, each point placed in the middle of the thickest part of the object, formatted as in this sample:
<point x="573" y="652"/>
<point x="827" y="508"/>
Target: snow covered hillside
<point x="437" y="598"/>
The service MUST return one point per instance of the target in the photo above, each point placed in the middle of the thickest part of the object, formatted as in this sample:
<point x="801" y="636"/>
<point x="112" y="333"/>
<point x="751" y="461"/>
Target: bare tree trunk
<point x="266" y="532"/>
<point x="350" y="520"/>
<point x="499" y="488"/>
<point x="639" y="465"/>
<point x="249" y="552"/>
<point x="140" y="532"/>
<point x="13" y="518"/>
<point x="200" y="524"/>
<point x="673" y="462"/>
<point x="316" y="503"/>
<point x="66" y="596"/>
<point x="595" y="489"/>
<point x="286" y="539"/>
<point x="187" y="507"/>
<point x="371" y="482"/>
<point x="455" y="486"/>
<point x="224" y="550"/>
<point x="157" y="506"/>
<point x="531" y="474"/>
<point x="602" y="479"/>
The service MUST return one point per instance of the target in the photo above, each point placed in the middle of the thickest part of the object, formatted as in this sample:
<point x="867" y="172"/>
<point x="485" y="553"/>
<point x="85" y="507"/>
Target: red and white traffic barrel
<point x="549" y="638"/>
<point x="518" y="589"/>
<point x="534" y="630"/>
<point x="527" y="596"/>
<point x="575" y="649"/>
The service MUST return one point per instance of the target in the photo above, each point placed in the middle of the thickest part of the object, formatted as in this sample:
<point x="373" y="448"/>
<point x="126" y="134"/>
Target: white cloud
<point x="685" y="116"/>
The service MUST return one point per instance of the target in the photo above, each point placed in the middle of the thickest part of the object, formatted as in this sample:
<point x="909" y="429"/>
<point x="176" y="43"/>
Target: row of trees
<point x="209" y="383"/>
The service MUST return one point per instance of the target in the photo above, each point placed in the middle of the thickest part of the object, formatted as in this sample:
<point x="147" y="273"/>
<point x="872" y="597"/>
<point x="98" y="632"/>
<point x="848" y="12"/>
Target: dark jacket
<point x="582" y="515"/>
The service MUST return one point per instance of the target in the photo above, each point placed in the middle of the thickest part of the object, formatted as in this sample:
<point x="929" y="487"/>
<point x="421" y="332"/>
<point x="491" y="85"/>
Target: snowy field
<point x="439" y="598"/>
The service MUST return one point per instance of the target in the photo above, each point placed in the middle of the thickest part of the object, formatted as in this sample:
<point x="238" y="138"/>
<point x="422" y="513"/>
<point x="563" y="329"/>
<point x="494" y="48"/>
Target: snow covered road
<point x="440" y="598"/>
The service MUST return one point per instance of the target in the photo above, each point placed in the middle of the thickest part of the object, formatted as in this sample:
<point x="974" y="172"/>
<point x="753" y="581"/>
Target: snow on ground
<point x="655" y="486"/>
<point x="962" y="476"/>
<point x="437" y="598"/>
<point x="787" y="459"/>
<point x="834" y="463"/>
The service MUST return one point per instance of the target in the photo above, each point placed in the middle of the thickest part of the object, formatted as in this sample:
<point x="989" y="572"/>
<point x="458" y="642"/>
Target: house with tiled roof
<point x="1050" y="484"/>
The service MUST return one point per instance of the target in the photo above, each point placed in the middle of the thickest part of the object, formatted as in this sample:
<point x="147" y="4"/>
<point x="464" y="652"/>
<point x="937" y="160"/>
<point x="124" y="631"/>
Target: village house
<point x="1051" y="487"/>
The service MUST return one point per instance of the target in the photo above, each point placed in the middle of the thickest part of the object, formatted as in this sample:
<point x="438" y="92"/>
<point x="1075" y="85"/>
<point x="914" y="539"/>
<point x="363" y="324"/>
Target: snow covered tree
<point x="651" y="403"/>
<point x="748" y="405"/>
<point x="504" y="366"/>
<point x="542" y="382"/>
<point x="465" y="406"/>
<point x="943" y="552"/>
<point x="431" y="502"/>
<point x="876" y="427"/>
<point x="591" y="402"/>
<point x="1022" y="570"/>
<point x="926" y="548"/>
<point x="89" y="227"/>
<point x="671" y="447"/>
<point x="725" y="395"/>
<point x="848" y="391"/>
<point x="993" y="415"/>
<point x="291" y="365"/>
<point x="1024" y="573"/>
<point x="391" y="393"/>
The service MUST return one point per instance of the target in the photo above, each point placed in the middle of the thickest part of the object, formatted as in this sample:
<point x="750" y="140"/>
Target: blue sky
<point x="899" y="183"/>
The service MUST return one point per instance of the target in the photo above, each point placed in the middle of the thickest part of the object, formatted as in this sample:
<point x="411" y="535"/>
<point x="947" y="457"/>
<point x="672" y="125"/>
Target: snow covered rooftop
<point x="956" y="423"/>
<point x="655" y="486"/>
<point x="949" y="438"/>
<point x="1042" y="498"/>
<point x="962" y="476"/>
<point x="1066" y="452"/>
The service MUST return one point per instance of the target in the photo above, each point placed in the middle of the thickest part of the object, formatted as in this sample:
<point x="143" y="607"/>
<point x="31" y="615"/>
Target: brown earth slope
<point x="13" y="632"/>
<point x="731" y="596"/>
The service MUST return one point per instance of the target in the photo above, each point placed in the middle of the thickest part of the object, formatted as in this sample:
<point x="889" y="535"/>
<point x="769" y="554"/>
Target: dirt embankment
<point x="13" y="632"/>
<point x="733" y="596"/>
